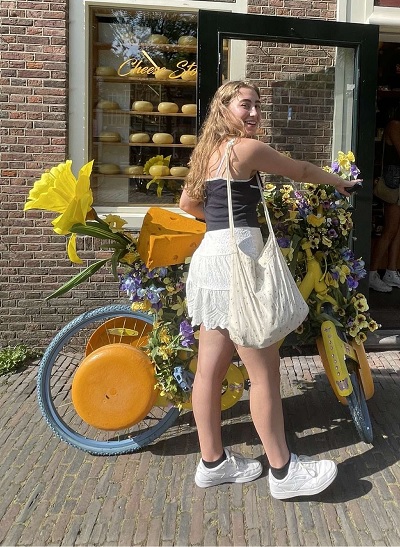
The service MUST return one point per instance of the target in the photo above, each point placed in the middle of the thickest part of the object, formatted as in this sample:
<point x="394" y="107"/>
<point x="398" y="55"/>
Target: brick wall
<point x="34" y="111"/>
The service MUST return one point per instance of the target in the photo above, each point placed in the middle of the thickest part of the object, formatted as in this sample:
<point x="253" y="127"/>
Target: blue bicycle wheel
<point x="359" y="410"/>
<point x="56" y="371"/>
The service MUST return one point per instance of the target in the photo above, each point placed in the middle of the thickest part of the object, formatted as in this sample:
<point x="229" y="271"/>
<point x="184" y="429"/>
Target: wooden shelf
<point x="147" y="177"/>
<point x="136" y="113"/>
<point x="165" y="48"/>
<point x="149" y="81"/>
<point x="149" y="144"/>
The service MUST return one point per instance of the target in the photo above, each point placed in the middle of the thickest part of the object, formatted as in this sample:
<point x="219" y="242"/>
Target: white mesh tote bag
<point x="265" y="304"/>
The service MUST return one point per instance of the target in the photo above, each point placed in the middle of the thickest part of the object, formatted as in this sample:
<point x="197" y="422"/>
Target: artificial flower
<point x="59" y="191"/>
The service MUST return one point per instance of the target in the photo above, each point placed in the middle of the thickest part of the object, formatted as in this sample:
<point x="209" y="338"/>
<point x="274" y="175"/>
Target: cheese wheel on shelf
<point x="108" y="105"/>
<point x="157" y="39"/>
<point x="179" y="171"/>
<point x="159" y="171"/>
<point x="168" y="108"/>
<point x="133" y="170"/>
<point x="187" y="41"/>
<point x="109" y="136"/>
<point x="105" y="71"/>
<point x="139" y="137"/>
<point x="162" y="74"/>
<point x="142" y="106"/>
<point x="189" y="109"/>
<point x="109" y="169"/>
<point x="162" y="138"/>
<point x="188" y="139"/>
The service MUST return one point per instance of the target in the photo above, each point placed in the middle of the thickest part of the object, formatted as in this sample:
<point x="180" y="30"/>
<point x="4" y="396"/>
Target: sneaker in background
<point x="305" y="477"/>
<point x="376" y="283"/>
<point x="235" y="468"/>
<point x="392" y="278"/>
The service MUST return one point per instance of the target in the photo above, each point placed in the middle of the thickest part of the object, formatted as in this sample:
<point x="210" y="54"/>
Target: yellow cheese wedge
<point x="168" y="238"/>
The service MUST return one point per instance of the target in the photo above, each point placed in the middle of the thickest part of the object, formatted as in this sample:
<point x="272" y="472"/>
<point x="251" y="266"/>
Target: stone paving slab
<point x="53" y="494"/>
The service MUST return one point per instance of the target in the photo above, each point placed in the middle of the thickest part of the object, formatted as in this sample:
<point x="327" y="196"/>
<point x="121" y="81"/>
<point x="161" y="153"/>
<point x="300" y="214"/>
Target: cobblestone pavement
<point x="53" y="494"/>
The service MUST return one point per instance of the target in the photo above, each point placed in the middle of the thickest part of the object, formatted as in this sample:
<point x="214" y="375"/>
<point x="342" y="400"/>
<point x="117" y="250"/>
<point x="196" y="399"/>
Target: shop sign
<point x="134" y="67"/>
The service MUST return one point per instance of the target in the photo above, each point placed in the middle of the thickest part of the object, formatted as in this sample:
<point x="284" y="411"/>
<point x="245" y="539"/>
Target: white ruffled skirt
<point x="208" y="282"/>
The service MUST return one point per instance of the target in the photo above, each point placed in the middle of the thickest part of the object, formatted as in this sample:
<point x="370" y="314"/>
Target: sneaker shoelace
<point x="303" y="461"/>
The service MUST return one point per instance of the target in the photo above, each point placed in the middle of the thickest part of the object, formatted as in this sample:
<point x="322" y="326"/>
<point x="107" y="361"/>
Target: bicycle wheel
<point x="80" y="337"/>
<point x="359" y="410"/>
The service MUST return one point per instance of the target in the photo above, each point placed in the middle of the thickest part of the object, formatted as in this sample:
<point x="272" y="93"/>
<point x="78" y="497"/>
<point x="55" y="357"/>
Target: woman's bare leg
<point x="387" y="241"/>
<point x="214" y="357"/>
<point x="263" y="366"/>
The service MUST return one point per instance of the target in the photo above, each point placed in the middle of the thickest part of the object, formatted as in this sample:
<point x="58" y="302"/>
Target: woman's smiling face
<point x="247" y="107"/>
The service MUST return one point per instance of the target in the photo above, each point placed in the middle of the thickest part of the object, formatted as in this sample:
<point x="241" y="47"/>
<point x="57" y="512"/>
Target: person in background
<point x="388" y="244"/>
<point x="235" y="113"/>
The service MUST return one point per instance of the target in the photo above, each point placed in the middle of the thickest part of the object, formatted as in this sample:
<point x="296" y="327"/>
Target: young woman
<point x="234" y="113"/>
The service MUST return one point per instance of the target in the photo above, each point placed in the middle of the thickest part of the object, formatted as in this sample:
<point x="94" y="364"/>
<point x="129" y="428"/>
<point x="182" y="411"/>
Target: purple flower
<point x="283" y="242"/>
<point x="186" y="332"/>
<point x="335" y="167"/>
<point x="332" y="233"/>
<point x="354" y="170"/>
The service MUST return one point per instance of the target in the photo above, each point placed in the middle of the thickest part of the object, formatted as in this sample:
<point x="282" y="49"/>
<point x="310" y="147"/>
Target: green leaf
<point x="96" y="231"/>
<point x="79" y="278"/>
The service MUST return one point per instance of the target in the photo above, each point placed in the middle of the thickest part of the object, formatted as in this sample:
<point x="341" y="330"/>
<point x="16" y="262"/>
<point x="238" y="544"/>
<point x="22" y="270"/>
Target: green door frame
<point x="214" y="26"/>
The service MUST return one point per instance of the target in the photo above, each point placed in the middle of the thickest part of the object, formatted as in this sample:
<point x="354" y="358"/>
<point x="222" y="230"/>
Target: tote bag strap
<point x="229" y="192"/>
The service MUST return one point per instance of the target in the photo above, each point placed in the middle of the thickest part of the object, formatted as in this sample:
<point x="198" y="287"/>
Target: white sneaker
<point x="306" y="477"/>
<point x="392" y="278"/>
<point x="235" y="468"/>
<point x="376" y="283"/>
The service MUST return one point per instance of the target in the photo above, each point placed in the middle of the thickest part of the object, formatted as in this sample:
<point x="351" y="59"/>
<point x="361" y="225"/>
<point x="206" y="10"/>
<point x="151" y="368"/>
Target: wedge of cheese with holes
<point x="168" y="238"/>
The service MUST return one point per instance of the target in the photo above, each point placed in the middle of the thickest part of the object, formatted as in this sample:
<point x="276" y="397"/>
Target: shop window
<point x="142" y="104"/>
<point x="388" y="3"/>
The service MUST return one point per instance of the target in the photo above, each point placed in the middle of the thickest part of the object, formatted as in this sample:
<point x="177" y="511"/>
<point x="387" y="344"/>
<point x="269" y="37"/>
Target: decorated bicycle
<point x="117" y="377"/>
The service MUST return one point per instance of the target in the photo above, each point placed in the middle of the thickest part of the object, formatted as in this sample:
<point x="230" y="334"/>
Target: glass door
<point x="318" y="85"/>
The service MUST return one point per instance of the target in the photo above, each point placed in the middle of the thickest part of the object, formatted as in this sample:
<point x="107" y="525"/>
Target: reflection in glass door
<point x="307" y="96"/>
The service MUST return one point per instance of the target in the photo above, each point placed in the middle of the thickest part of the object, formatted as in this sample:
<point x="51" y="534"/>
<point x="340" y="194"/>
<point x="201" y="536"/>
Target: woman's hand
<point x="348" y="187"/>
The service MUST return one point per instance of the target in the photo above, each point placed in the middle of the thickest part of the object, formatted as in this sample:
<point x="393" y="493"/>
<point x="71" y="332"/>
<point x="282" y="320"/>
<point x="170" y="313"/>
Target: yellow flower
<point x="59" y="191"/>
<point x="115" y="222"/>
<point x="315" y="220"/>
<point x="360" y="338"/>
<point x="164" y="335"/>
<point x="330" y="281"/>
<point x="141" y="306"/>
<point x="373" y="325"/>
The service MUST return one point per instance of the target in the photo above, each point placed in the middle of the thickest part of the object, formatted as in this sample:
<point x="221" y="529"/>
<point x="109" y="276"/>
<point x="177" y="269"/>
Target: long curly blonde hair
<point x="219" y="125"/>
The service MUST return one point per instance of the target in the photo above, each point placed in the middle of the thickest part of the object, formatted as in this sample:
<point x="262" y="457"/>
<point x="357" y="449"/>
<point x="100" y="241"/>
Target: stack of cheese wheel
<point x="109" y="136"/>
<point x="139" y="137"/>
<point x="188" y="139"/>
<point x="109" y="169"/>
<point x="142" y="106"/>
<point x="168" y="108"/>
<point x="108" y="105"/>
<point x="162" y="138"/>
